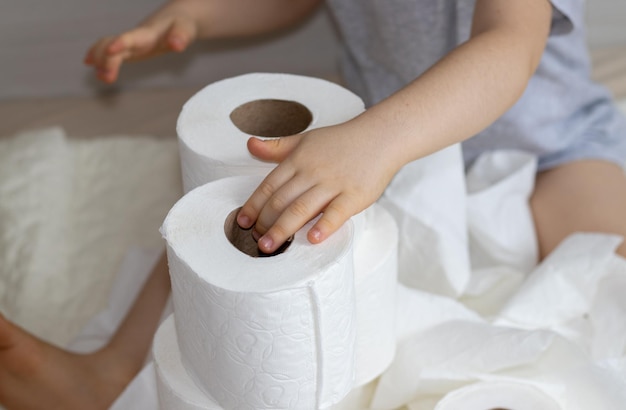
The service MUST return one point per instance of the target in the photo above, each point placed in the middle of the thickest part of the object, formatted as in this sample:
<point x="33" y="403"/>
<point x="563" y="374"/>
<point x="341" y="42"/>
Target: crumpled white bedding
<point x="69" y="211"/>
<point x="520" y="336"/>
<point x="74" y="208"/>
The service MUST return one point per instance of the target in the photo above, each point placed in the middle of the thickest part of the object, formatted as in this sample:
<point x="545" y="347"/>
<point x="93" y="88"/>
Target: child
<point x="510" y="74"/>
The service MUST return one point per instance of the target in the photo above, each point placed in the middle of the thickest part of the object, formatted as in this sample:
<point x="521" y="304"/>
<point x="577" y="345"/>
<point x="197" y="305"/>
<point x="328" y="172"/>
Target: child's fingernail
<point x="266" y="243"/>
<point x="243" y="221"/>
<point x="315" y="234"/>
<point x="177" y="42"/>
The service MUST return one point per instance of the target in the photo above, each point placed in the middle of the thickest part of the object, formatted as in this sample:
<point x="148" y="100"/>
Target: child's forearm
<point x="324" y="169"/>
<point x="469" y="88"/>
<point x="239" y="18"/>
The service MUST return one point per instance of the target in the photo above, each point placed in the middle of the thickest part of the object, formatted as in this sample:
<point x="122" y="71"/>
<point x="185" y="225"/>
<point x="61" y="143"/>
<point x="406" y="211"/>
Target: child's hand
<point x="334" y="170"/>
<point x="162" y="33"/>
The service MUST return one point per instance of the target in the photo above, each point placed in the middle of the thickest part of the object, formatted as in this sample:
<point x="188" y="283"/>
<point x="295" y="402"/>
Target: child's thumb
<point x="274" y="149"/>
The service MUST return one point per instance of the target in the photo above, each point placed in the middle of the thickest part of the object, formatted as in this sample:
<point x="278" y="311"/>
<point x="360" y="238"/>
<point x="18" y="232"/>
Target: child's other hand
<point x="162" y="33"/>
<point x="336" y="171"/>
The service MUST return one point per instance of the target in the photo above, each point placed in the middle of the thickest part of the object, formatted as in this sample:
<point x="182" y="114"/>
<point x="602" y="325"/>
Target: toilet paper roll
<point x="376" y="272"/>
<point x="359" y="222"/>
<point x="215" y="124"/>
<point x="175" y="388"/>
<point x="498" y="395"/>
<point x="262" y="333"/>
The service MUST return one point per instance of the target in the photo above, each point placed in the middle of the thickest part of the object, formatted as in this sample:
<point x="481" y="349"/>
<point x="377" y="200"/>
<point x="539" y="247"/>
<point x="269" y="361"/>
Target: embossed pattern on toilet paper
<point x="260" y="333"/>
<point x="175" y="388"/>
<point x="230" y="348"/>
<point x="279" y="344"/>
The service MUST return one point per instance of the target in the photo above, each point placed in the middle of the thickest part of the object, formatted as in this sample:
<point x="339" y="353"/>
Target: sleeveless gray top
<point x="562" y="116"/>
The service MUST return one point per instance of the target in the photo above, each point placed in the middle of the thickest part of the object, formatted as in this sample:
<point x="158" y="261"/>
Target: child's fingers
<point x="338" y="211"/>
<point x="97" y="53"/>
<point x="135" y="43"/>
<point x="266" y="149"/>
<point x="254" y="205"/>
<point x="275" y="149"/>
<point x="88" y="57"/>
<point x="298" y="213"/>
<point x="108" y="54"/>
<point x="110" y="70"/>
<point x="285" y="199"/>
<point x="149" y="40"/>
<point x="181" y="34"/>
<point x="105" y="51"/>
<point x="116" y="45"/>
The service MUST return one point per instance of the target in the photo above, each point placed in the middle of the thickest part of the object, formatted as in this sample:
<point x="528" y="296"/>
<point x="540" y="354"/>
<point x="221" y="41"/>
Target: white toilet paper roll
<point x="215" y="124"/>
<point x="498" y="395"/>
<point x="261" y="333"/>
<point x="376" y="272"/>
<point x="359" y="223"/>
<point x="175" y="388"/>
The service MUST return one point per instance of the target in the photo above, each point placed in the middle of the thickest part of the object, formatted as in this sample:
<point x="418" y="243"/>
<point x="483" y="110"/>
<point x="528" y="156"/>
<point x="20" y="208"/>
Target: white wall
<point x="42" y="44"/>
<point x="607" y="22"/>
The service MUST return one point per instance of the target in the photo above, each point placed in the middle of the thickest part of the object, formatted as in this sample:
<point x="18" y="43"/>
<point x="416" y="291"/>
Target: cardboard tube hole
<point x="271" y="118"/>
<point x="242" y="238"/>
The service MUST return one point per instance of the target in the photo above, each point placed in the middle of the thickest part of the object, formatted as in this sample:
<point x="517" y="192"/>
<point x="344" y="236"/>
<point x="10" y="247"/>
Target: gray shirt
<point x="562" y="116"/>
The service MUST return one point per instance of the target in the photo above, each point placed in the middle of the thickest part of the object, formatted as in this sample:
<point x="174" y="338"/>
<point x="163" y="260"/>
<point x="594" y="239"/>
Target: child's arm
<point x="179" y="22"/>
<point x="341" y="170"/>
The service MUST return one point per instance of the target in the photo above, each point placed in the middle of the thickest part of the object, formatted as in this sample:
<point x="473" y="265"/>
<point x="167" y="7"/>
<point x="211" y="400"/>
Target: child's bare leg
<point x="587" y="195"/>
<point x="36" y="375"/>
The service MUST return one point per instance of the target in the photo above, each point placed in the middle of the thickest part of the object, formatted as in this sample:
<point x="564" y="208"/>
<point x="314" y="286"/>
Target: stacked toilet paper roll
<point x="175" y="388"/>
<point x="246" y="303"/>
<point x="376" y="273"/>
<point x="262" y="333"/>
<point x="215" y="124"/>
<point x="375" y="257"/>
